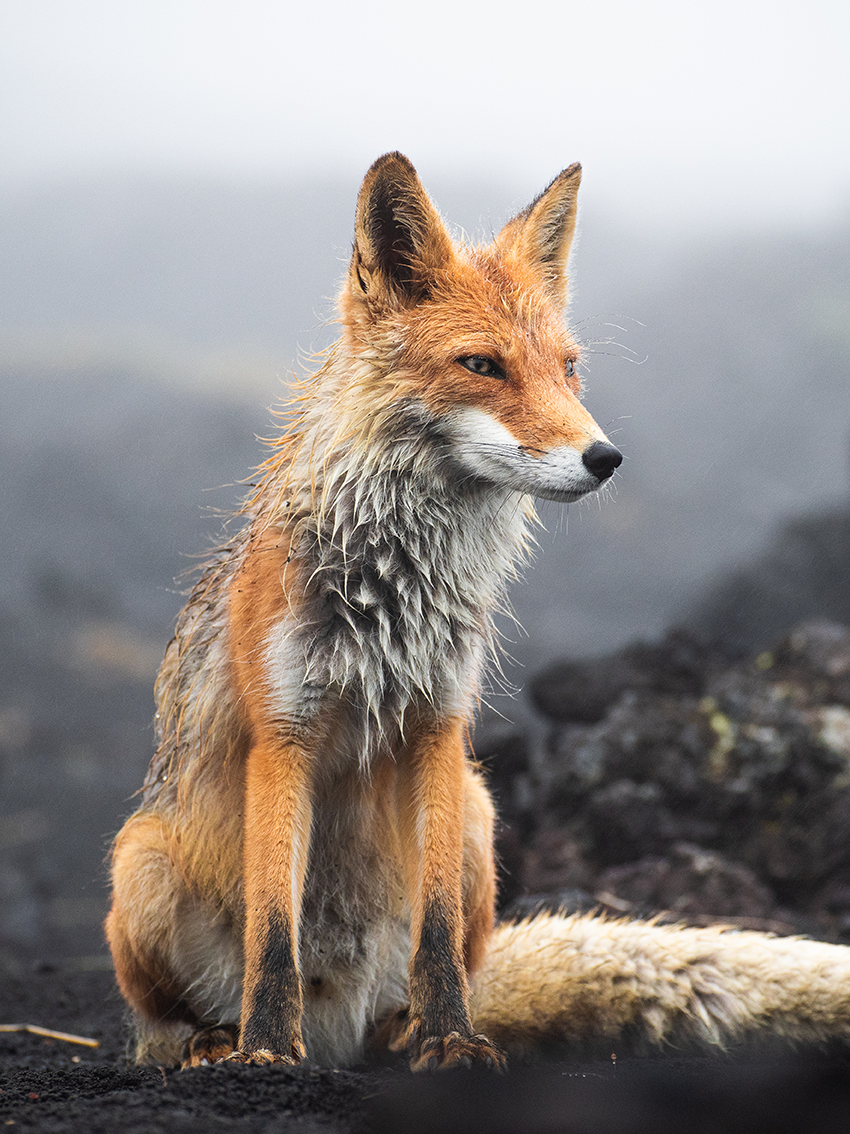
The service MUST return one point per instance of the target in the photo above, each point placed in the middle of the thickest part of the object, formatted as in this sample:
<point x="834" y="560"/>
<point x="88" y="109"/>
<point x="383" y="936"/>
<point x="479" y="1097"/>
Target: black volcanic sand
<point x="50" y="1085"/>
<point x="55" y="1086"/>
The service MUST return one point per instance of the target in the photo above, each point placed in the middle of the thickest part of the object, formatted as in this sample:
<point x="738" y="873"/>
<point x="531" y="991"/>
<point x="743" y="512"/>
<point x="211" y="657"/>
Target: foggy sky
<point x="685" y="114"/>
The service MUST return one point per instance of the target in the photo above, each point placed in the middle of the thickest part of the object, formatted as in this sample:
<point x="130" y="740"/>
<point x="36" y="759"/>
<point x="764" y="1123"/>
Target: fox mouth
<point x="563" y="496"/>
<point x="544" y="489"/>
<point x="486" y="451"/>
<point x="560" y="475"/>
<point x="585" y="472"/>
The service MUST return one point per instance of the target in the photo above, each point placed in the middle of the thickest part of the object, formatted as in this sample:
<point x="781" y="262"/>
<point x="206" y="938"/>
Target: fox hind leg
<point x="479" y="869"/>
<point x="210" y="1045"/>
<point x="177" y="960"/>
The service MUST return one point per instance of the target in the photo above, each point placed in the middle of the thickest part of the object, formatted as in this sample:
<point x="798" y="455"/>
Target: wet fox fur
<point x="311" y="868"/>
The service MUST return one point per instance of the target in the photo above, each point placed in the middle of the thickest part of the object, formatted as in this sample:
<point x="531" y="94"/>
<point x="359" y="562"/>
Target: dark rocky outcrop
<point x="672" y="779"/>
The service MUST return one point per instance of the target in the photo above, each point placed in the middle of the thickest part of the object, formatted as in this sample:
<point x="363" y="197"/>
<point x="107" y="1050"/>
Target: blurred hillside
<point x="146" y="326"/>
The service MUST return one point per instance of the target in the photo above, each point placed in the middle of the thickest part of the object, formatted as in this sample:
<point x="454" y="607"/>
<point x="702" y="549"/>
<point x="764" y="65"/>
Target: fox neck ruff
<point x="404" y="559"/>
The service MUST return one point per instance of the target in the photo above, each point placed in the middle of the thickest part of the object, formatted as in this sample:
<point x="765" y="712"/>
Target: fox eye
<point x="570" y="368"/>
<point x="481" y="364"/>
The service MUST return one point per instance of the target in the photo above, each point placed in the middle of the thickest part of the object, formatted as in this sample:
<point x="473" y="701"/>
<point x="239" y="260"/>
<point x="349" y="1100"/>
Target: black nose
<point x="601" y="458"/>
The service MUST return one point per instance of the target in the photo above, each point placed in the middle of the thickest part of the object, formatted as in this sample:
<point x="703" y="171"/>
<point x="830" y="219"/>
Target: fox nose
<point x="601" y="458"/>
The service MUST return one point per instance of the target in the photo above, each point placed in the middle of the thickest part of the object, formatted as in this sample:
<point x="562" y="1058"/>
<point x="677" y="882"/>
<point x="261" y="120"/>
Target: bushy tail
<point x="583" y="981"/>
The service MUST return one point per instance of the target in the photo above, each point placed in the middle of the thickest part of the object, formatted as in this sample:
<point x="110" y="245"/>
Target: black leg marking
<point x="438" y="976"/>
<point x="274" y="1002"/>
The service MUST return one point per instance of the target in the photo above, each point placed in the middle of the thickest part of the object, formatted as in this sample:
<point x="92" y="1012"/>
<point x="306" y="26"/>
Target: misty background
<point x="177" y="188"/>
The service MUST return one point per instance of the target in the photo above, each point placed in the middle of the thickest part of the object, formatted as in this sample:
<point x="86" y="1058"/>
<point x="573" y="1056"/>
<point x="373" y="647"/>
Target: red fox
<point x="311" y="867"/>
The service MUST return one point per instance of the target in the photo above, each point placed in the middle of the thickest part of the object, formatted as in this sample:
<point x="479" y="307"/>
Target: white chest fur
<point x="401" y="588"/>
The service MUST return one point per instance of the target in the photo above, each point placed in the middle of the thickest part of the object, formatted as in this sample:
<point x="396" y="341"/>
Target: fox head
<point x="475" y="336"/>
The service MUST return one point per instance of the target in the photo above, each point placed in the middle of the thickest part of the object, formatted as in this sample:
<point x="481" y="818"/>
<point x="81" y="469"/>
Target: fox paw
<point x="443" y="1053"/>
<point x="209" y="1045"/>
<point x="262" y="1056"/>
<point x="393" y="1032"/>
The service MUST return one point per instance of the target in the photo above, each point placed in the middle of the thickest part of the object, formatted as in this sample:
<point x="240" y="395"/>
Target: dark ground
<point x="49" y="1086"/>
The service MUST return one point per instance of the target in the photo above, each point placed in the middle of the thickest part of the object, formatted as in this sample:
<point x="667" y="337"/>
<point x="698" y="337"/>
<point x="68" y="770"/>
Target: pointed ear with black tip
<point x="399" y="240"/>
<point x="539" y="238"/>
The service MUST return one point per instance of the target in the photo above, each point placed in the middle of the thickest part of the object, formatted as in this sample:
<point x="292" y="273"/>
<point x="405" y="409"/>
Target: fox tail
<point x="582" y="981"/>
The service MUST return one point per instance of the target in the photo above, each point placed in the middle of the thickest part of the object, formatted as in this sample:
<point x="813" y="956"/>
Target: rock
<point x="628" y="819"/>
<point x="690" y="881"/>
<point x="584" y="691"/>
<point x="688" y="782"/>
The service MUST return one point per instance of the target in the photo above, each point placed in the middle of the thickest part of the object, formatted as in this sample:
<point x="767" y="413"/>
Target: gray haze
<point x="694" y="115"/>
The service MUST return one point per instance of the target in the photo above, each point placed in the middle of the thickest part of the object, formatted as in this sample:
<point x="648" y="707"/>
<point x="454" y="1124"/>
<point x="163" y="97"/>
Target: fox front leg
<point x="438" y="1032"/>
<point x="277" y="835"/>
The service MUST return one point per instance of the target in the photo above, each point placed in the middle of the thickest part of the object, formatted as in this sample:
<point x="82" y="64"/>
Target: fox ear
<point x="399" y="239"/>
<point x="539" y="238"/>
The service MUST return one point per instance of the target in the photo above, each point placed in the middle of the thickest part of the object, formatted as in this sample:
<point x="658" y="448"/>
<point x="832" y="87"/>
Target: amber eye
<point x="481" y="364"/>
<point x="570" y="368"/>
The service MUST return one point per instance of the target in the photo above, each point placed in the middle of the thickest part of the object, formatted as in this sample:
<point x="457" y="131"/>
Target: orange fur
<point x="314" y="849"/>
